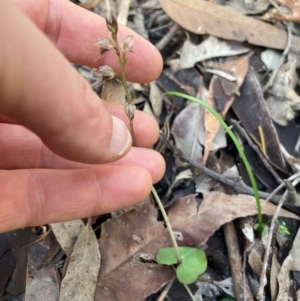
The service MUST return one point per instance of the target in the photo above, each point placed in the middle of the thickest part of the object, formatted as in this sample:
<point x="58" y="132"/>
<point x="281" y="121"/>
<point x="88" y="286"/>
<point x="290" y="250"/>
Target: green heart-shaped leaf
<point x="193" y="263"/>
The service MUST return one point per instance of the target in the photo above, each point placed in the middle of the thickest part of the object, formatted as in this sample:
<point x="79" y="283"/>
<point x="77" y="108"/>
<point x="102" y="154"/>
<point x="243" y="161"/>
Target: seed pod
<point x="129" y="110"/>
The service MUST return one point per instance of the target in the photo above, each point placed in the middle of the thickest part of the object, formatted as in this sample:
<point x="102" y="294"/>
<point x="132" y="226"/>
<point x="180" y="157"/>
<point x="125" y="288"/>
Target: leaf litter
<point x="213" y="55"/>
<point x="130" y="242"/>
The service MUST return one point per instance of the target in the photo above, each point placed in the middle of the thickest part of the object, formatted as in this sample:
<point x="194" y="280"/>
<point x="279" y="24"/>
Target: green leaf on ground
<point x="193" y="263"/>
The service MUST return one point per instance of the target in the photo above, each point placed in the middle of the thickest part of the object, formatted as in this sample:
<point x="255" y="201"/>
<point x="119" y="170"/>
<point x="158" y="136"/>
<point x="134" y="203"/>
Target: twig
<point x="190" y="293"/>
<point x="263" y="277"/>
<point x="244" y="271"/>
<point x="284" y="54"/>
<point x="279" y="187"/>
<point x="235" y="262"/>
<point x="293" y="162"/>
<point x="168" y="37"/>
<point x="237" y="184"/>
<point x="275" y="5"/>
<point x="90" y="5"/>
<point x="268" y="166"/>
<point x="263" y="280"/>
<point x="187" y="288"/>
<point x="166" y="290"/>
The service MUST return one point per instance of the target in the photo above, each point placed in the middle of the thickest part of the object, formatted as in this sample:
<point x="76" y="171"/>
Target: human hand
<point x="55" y="131"/>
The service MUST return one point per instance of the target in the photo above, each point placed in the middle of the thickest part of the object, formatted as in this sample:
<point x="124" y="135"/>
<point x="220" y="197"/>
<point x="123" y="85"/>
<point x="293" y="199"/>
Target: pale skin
<point x="64" y="153"/>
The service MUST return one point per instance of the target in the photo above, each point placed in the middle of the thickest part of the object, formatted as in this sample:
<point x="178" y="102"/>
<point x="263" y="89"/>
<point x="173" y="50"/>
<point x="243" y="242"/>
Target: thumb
<point x="42" y="91"/>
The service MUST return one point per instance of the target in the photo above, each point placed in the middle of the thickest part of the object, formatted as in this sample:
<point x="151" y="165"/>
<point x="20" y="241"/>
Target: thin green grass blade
<point x="237" y="145"/>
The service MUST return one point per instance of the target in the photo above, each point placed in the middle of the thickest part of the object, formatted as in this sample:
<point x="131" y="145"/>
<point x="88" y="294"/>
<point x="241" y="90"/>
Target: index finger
<point x="74" y="30"/>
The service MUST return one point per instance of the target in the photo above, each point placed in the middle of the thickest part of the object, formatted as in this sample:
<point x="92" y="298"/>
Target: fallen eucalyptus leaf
<point x="251" y="97"/>
<point x="215" y="210"/>
<point x="156" y="99"/>
<point x="128" y="247"/>
<point x="271" y="59"/>
<point x="291" y="13"/>
<point x="204" y="17"/>
<point x="192" y="54"/>
<point x="67" y="234"/>
<point x="42" y="283"/>
<point x="80" y="280"/>
<point x="246" y="7"/>
<point x="189" y="134"/>
<point x="221" y="96"/>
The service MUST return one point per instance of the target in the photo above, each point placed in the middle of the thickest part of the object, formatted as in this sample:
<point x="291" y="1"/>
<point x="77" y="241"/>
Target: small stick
<point x="245" y="255"/>
<point x="237" y="184"/>
<point x="168" y="37"/>
<point x="166" y="290"/>
<point x="279" y="187"/>
<point x="235" y="262"/>
<point x="190" y="293"/>
<point x="263" y="278"/>
<point x="187" y="288"/>
<point x="270" y="82"/>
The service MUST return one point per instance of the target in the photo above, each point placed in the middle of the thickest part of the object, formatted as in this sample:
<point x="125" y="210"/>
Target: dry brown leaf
<point x="246" y="7"/>
<point x="293" y="15"/>
<point x="128" y="246"/>
<point x="271" y="59"/>
<point x="147" y="109"/>
<point x="211" y="124"/>
<point x="204" y="17"/>
<point x="192" y="54"/>
<point x="189" y="134"/>
<point x="255" y="262"/>
<point x="275" y="267"/>
<point x="283" y="97"/>
<point x="113" y="91"/>
<point x="156" y="99"/>
<point x="188" y="130"/>
<point x="42" y="283"/>
<point x="89" y="3"/>
<point x="67" y="233"/>
<point x="123" y="10"/>
<point x="19" y="241"/>
<point x="215" y="210"/>
<point x="81" y="276"/>
<point x="291" y="263"/>
<point x="284" y="279"/>
<point x="130" y="242"/>
<point x="221" y="95"/>
<point x="251" y="97"/>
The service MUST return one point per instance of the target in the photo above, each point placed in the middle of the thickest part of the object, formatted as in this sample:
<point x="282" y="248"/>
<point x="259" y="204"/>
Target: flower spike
<point x="112" y="25"/>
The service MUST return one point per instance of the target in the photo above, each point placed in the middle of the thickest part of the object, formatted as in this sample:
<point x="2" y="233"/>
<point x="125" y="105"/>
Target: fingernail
<point x="121" y="138"/>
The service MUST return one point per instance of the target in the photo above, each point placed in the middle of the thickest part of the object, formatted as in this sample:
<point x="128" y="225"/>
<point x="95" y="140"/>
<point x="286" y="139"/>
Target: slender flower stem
<point x="166" y="219"/>
<point x="122" y="63"/>
<point x="130" y="113"/>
